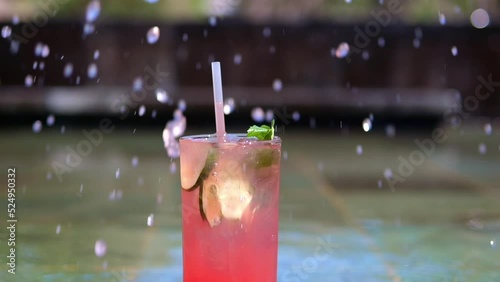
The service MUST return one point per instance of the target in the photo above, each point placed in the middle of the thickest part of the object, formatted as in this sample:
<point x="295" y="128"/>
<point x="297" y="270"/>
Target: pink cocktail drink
<point x="230" y="213"/>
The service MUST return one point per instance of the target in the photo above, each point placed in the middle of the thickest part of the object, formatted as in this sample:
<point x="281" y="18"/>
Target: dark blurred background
<point x="406" y="60"/>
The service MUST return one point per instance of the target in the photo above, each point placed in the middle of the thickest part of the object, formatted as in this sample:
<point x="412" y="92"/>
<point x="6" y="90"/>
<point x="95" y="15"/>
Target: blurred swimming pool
<point x="340" y="220"/>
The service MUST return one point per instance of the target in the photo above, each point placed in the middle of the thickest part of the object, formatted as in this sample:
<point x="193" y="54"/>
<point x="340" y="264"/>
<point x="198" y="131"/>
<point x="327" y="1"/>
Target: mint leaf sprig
<point x="264" y="132"/>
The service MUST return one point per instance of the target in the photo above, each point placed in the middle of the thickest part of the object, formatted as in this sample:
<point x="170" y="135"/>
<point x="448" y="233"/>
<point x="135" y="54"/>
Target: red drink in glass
<point x="230" y="213"/>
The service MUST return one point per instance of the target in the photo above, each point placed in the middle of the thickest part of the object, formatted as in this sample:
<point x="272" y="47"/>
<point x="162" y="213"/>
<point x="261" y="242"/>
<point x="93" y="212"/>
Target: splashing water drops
<point x="92" y="71"/>
<point x="68" y="70"/>
<point x="6" y="31"/>
<point x="258" y="114"/>
<point x="277" y="85"/>
<point x="153" y="35"/>
<point x="342" y="50"/>
<point x="367" y="124"/>
<point x="50" y="120"/>
<point x="93" y="11"/>
<point x="488" y="129"/>
<point x="100" y="248"/>
<point x="454" y="51"/>
<point x="161" y="96"/>
<point x="151" y="220"/>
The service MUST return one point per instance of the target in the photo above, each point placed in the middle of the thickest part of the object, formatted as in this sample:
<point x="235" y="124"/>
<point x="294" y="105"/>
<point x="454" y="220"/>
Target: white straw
<point x="218" y="100"/>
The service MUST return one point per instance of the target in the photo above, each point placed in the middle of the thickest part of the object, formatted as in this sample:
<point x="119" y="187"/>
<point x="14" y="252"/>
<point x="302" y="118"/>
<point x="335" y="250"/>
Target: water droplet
<point x="137" y="84"/>
<point x="367" y="124"/>
<point x="229" y="106"/>
<point x="151" y="220"/>
<point x="38" y="49"/>
<point x="100" y="248"/>
<point x="365" y="55"/>
<point x="482" y="148"/>
<point x="135" y="161"/>
<point x="416" y="43"/>
<point x="151" y="1"/>
<point x="390" y="131"/>
<point x="272" y="49"/>
<point x="277" y="85"/>
<point x="41" y="66"/>
<point x="442" y="18"/>
<point x="63" y="129"/>
<point x="88" y="28"/>
<point x="77" y="80"/>
<point x="173" y="168"/>
<point x="16" y="20"/>
<point x="93" y="11"/>
<point x="182" y="105"/>
<point x="185" y="37"/>
<point x="480" y="18"/>
<point x="14" y="46"/>
<point x="266" y="32"/>
<point x="50" y="120"/>
<point x="117" y="174"/>
<point x="418" y="33"/>
<point x="488" y="129"/>
<point x="49" y="175"/>
<point x="269" y="115"/>
<point x="35" y="65"/>
<point x="6" y="31"/>
<point x="237" y="59"/>
<point x="45" y="51"/>
<point x="153" y="35"/>
<point x="142" y="110"/>
<point x="81" y="188"/>
<point x="379" y="183"/>
<point x="493" y="243"/>
<point x="258" y="114"/>
<point x="342" y="50"/>
<point x="454" y="50"/>
<point x="153" y="114"/>
<point x="58" y="229"/>
<point x="92" y="71"/>
<point x="97" y="53"/>
<point x="68" y="70"/>
<point x="388" y="173"/>
<point x="359" y="149"/>
<point x="381" y="41"/>
<point x="212" y="21"/>
<point x="161" y="96"/>
<point x="285" y="155"/>
<point x="296" y="116"/>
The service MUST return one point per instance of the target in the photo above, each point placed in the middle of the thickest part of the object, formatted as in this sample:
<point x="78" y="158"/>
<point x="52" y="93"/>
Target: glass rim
<point x="275" y="140"/>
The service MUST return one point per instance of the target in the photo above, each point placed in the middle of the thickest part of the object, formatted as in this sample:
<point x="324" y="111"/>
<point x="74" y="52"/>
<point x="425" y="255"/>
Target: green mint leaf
<point x="263" y="132"/>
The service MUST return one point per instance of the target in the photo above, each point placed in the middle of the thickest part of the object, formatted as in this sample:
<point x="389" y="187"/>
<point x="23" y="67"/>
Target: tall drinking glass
<point x="230" y="208"/>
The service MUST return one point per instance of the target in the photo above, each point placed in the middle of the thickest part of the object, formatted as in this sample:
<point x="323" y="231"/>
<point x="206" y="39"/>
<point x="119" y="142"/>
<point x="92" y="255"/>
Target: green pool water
<point x="441" y="224"/>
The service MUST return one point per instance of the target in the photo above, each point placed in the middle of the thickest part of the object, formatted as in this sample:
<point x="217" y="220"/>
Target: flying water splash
<point x="68" y="70"/>
<point x="367" y="124"/>
<point x="390" y="131"/>
<point x="151" y="1"/>
<point x="97" y="54"/>
<point x="381" y="42"/>
<point x="137" y="84"/>
<point x="488" y="129"/>
<point x="480" y="18"/>
<point x="173" y="130"/>
<point x="342" y="50"/>
<point x="277" y="85"/>
<point x="266" y="32"/>
<point x="173" y="167"/>
<point x="28" y="80"/>
<point x="51" y="120"/>
<point x="142" y="110"/>
<point x="117" y="173"/>
<point x="135" y="161"/>
<point x="365" y="55"/>
<point x="229" y="106"/>
<point x="269" y="115"/>
<point x="258" y="114"/>
<point x="296" y="116"/>
<point x="454" y="51"/>
<point x="212" y="21"/>
<point x="100" y="248"/>
<point x="416" y="43"/>
<point x="153" y="35"/>
<point x="237" y="59"/>
<point x="442" y="18"/>
<point x="151" y="220"/>
<point x="161" y="96"/>
<point x="93" y="11"/>
<point x="181" y="105"/>
<point x="92" y="71"/>
<point x="6" y="31"/>
<point x="482" y="148"/>
<point x="359" y="150"/>
<point x="88" y="28"/>
<point x="58" y="229"/>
